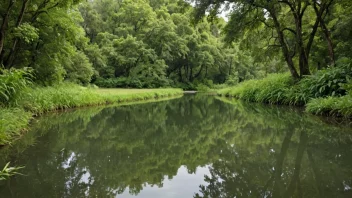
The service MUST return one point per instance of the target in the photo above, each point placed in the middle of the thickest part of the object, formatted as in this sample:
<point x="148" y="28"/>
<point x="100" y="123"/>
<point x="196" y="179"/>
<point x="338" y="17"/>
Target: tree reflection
<point x="248" y="169"/>
<point x="253" y="151"/>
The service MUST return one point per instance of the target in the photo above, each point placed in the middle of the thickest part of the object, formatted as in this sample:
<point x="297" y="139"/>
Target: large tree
<point x="294" y="24"/>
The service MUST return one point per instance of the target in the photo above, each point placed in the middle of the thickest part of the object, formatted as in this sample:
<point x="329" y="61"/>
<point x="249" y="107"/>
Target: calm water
<point x="194" y="146"/>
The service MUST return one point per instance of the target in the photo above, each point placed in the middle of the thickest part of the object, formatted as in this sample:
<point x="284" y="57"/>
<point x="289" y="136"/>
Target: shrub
<point x="202" y="88"/>
<point x="112" y="82"/>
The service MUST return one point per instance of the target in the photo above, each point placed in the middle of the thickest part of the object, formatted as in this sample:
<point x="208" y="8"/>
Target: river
<point x="194" y="146"/>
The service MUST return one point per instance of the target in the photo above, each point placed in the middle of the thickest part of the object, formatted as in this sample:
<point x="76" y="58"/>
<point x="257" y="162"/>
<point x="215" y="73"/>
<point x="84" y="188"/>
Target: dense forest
<point x="158" y="43"/>
<point x="120" y="43"/>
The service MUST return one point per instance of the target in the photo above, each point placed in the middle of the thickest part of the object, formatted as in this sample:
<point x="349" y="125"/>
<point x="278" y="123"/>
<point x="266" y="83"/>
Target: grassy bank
<point x="35" y="101"/>
<point x="328" y="92"/>
<point x="332" y="106"/>
<point x="12" y="122"/>
<point x="41" y="100"/>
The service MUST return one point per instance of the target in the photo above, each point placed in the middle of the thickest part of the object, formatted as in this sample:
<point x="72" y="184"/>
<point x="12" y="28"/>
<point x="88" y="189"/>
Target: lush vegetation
<point x="139" y="44"/>
<point x="171" y="43"/>
<point x="311" y="37"/>
<point x="53" y="53"/>
<point x="326" y="92"/>
<point x="39" y="100"/>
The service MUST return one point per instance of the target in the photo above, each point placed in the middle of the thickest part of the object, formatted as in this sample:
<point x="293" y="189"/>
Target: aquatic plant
<point x="9" y="171"/>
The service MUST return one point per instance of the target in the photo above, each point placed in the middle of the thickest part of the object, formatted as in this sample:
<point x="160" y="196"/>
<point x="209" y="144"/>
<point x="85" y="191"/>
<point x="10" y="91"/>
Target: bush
<point x="202" y="88"/>
<point x="124" y="82"/>
<point x="329" y="82"/>
<point x="112" y="82"/>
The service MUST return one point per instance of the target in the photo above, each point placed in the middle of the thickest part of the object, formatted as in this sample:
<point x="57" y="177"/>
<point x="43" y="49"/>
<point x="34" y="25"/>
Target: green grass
<point x="323" y="93"/>
<point x="12" y="121"/>
<point x="332" y="106"/>
<point x="271" y="89"/>
<point x="43" y="99"/>
<point x="38" y="100"/>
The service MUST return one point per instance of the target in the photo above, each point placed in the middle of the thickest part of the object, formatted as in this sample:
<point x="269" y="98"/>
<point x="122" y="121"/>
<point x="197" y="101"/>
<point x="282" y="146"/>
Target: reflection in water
<point x="193" y="146"/>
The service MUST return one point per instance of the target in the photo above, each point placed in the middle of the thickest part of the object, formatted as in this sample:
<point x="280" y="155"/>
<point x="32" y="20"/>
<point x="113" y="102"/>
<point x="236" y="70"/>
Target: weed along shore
<point x="35" y="101"/>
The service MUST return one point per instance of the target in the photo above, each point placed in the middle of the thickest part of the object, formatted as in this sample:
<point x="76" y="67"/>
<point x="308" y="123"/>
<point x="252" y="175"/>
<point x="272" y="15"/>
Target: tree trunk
<point x="327" y="36"/>
<point x="3" y="28"/>
<point x="284" y="46"/>
<point x="298" y="162"/>
<point x="279" y="164"/>
<point x="9" y="61"/>
<point x="180" y="74"/>
<point x="320" y="18"/>
<point x="199" y="72"/>
<point x="303" y="55"/>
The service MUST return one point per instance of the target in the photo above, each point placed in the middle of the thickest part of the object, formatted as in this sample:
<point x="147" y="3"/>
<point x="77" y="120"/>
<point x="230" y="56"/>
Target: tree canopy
<point x="303" y="30"/>
<point x="158" y="43"/>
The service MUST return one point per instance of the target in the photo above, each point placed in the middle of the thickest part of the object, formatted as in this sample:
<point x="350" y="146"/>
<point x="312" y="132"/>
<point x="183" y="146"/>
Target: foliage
<point x="328" y="82"/>
<point x="26" y="32"/>
<point x="12" y="85"/>
<point x="80" y="70"/>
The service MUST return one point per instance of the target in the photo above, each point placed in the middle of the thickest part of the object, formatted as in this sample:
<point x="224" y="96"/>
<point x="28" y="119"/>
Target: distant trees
<point x="152" y="43"/>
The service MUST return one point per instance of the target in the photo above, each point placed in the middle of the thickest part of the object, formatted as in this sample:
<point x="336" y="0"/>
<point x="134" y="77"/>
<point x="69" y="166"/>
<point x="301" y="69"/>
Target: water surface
<point x="194" y="146"/>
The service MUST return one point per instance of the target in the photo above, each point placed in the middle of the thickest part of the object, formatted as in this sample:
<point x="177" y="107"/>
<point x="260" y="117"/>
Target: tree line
<point x="159" y="43"/>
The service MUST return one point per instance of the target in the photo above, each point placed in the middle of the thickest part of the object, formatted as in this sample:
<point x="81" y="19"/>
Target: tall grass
<point x="322" y="93"/>
<point x="38" y="100"/>
<point x="12" y="84"/>
<point x="12" y="121"/>
<point x="44" y="99"/>
<point x="20" y="99"/>
<point x="333" y="106"/>
<point x="272" y="89"/>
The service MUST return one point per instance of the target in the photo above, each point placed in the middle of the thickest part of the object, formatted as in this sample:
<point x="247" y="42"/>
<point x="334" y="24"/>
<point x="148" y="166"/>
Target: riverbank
<point x="35" y="101"/>
<point x="328" y="92"/>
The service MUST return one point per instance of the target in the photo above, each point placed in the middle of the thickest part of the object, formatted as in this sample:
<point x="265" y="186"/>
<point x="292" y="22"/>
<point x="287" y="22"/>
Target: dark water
<point x="195" y="146"/>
